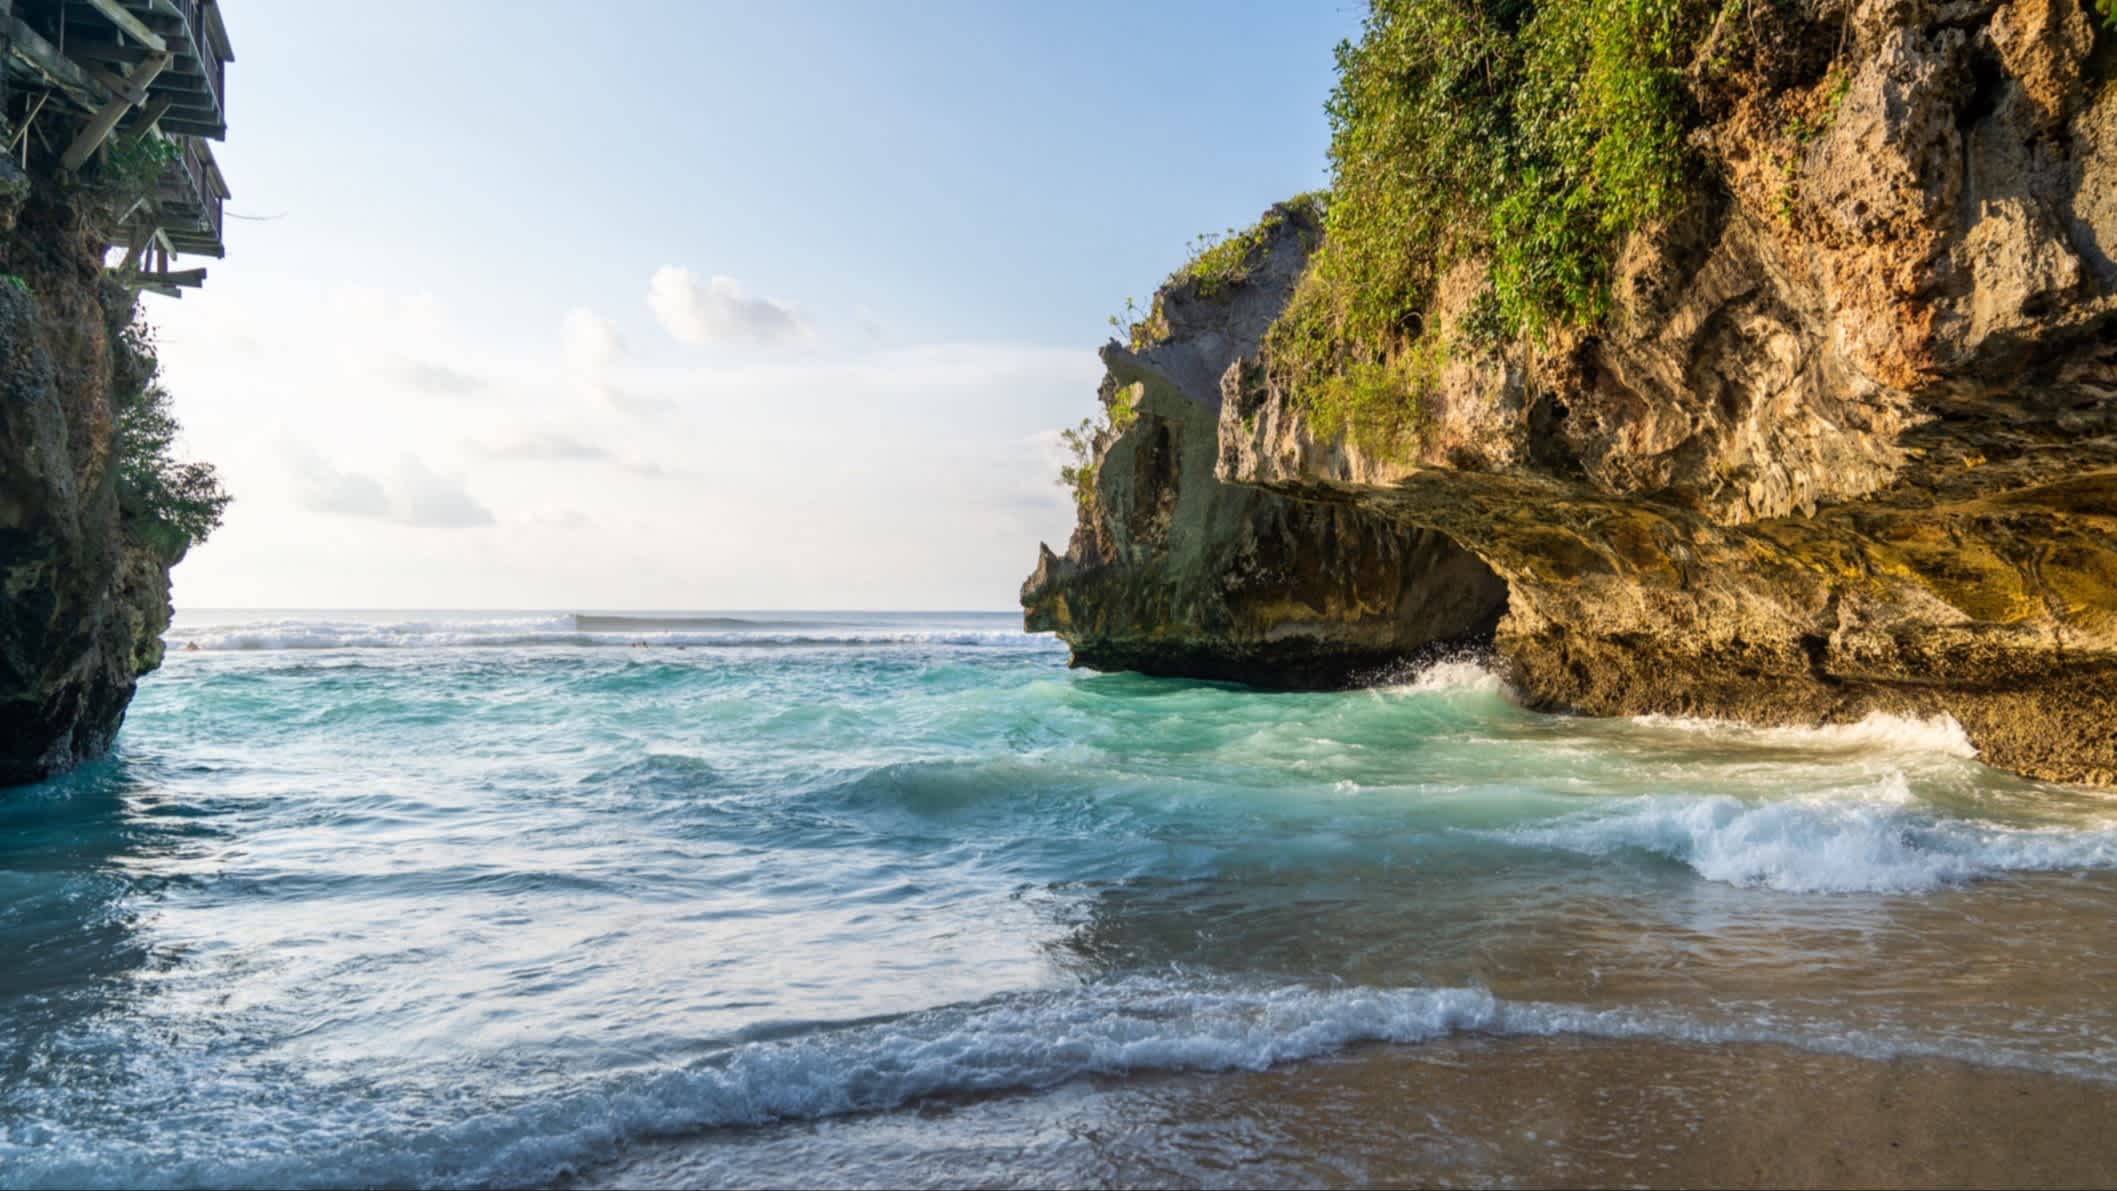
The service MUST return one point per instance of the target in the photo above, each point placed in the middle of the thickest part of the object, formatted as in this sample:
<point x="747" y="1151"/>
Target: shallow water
<point x="397" y="898"/>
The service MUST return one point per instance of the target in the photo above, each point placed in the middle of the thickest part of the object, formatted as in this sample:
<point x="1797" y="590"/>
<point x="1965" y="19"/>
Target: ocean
<point x="868" y="899"/>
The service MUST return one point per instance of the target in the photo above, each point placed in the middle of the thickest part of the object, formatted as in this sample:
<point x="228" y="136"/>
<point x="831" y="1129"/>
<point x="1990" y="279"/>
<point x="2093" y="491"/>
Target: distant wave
<point x="589" y="622"/>
<point x="586" y="631"/>
<point x="1879" y="840"/>
<point x="1017" y="1042"/>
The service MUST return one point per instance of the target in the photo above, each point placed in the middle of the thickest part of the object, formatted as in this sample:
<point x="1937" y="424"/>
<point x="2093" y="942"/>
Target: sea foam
<point x="1876" y="840"/>
<point x="1877" y="731"/>
<point x="1464" y="675"/>
<point x="1017" y="1042"/>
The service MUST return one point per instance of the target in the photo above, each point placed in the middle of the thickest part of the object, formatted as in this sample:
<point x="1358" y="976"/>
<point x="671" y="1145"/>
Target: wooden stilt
<point x="106" y="117"/>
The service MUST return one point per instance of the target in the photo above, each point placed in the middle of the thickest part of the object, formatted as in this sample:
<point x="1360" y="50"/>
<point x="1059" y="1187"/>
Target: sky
<point x="693" y="305"/>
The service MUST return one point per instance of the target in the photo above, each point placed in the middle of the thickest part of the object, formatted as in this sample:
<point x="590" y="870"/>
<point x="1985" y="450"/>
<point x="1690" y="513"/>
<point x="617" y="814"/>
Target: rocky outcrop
<point x="1848" y="440"/>
<point x="1171" y="571"/>
<point x="84" y="589"/>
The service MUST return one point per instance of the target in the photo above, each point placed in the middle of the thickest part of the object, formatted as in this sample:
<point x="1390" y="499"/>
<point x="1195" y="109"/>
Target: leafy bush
<point x="173" y="504"/>
<point x="1532" y="135"/>
<point x="1079" y="475"/>
<point x="1085" y="441"/>
<point x="1214" y="262"/>
<point x="170" y="504"/>
<point x="132" y="166"/>
<point x="1218" y="260"/>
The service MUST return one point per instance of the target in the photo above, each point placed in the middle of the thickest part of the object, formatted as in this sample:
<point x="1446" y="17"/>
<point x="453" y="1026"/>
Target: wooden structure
<point x="84" y="78"/>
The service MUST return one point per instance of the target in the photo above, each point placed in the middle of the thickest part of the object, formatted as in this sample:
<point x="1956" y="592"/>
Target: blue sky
<point x="697" y="305"/>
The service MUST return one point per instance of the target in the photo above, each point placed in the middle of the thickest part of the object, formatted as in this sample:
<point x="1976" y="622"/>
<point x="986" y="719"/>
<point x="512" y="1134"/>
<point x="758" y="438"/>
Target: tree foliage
<point x="1532" y="135"/>
<point x="175" y="503"/>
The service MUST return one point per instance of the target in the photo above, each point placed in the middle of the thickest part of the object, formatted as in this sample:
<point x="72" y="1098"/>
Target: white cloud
<point x="322" y="488"/>
<point x="437" y="379"/>
<point x="611" y="397"/>
<point x="908" y="475"/>
<point x="591" y="341"/>
<point x="720" y="312"/>
<point x="549" y="446"/>
<point x="416" y="495"/>
<point x="427" y="499"/>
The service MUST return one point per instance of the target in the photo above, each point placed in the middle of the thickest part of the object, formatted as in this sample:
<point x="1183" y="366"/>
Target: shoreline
<point x="1464" y="1111"/>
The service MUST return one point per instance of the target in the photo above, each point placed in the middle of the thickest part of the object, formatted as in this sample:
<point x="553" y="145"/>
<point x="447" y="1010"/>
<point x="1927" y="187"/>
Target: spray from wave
<point x="1879" y="730"/>
<point x="1881" y="839"/>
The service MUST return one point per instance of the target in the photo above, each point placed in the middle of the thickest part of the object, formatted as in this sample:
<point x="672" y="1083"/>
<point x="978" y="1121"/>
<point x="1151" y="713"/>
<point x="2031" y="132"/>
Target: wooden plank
<point x="117" y="15"/>
<point x="176" y="277"/>
<point x="29" y="47"/>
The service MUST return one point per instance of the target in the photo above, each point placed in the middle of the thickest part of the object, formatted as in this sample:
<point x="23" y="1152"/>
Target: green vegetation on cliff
<point x="1525" y="138"/>
<point x="169" y="503"/>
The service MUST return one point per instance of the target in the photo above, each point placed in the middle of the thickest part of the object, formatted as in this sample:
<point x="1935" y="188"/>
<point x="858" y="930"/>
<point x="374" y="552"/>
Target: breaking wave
<point x="1878" y="730"/>
<point x="1017" y="1042"/>
<point x="1877" y="840"/>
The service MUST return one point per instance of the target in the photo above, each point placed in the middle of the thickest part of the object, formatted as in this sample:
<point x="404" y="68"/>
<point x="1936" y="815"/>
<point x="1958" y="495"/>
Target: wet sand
<point x="1465" y="1112"/>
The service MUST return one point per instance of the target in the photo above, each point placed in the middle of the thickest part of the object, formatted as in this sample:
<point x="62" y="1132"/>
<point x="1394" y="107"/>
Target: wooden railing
<point x="195" y="160"/>
<point x="212" y="56"/>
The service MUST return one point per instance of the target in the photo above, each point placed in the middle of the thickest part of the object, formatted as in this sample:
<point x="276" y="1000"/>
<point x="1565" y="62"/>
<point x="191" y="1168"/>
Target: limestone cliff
<point x="84" y="581"/>
<point x="1846" y="438"/>
<point x="1171" y="571"/>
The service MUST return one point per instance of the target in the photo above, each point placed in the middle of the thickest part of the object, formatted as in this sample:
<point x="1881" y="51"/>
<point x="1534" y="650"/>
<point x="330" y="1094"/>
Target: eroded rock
<point x="1173" y="572"/>
<point x="1848" y="442"/>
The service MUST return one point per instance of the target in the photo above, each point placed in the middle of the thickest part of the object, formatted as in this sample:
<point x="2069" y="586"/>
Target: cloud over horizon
<point x="721" y="312"/>
<point x="417" y="496"/>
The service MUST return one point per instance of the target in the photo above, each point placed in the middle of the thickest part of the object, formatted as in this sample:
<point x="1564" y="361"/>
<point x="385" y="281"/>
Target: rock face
<point x="84" y="596"/>
<point x="1173" y="572"/>
<point x="1848" y="440"/>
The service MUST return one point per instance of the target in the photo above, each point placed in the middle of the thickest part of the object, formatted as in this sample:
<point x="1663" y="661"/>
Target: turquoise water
<point x="455" y="899"/>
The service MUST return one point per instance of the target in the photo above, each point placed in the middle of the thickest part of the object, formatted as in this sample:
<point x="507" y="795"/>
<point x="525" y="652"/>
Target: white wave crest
<point x="1450" y="676"/>
<point x="1881" y="840"/>
<point x="1878" y="731"/>
<point x="246" y="1132"/>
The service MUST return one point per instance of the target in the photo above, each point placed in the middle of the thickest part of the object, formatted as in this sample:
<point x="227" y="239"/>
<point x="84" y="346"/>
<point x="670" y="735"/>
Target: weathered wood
<point x="106" y="118"/>
<point x="29" y="119"/>
<point x="29" y="47"/>
<point x="131" y="24"/>
<point x="141" y="237"/>
<point x="152" y="114"/>
<point x="190" y="277"/>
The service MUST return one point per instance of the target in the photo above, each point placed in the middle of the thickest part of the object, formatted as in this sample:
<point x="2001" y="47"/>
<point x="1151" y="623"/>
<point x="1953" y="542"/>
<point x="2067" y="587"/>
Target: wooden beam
<point x="29" y="47"/>
<point x="106" y="118"/>
<point x="138" y="246"/>
<point x="152" y="114"/>
<point x="190" y="277"/>
<point x="130" y="24"/>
